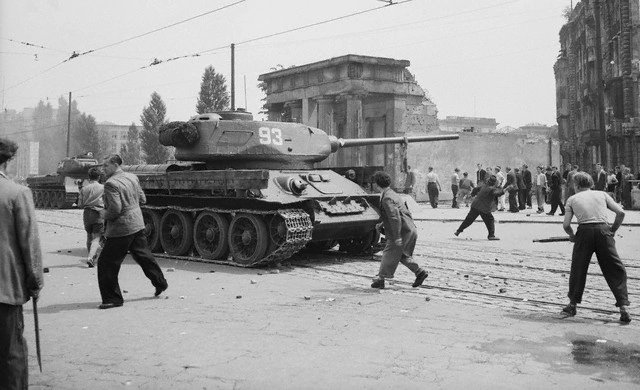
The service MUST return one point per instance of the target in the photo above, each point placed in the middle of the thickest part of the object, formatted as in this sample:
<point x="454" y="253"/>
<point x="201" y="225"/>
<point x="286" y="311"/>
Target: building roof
<point x="333" y="62"/>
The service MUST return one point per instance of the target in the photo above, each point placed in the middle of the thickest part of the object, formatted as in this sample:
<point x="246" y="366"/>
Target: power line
<point x="76" y="55"/>
<point x="35" y="130"/>
<point x="155" y="30"/>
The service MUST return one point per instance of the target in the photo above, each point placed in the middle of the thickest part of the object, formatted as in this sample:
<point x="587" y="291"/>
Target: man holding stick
<point x="594" y="235"/>
<point x="20" y="271"/>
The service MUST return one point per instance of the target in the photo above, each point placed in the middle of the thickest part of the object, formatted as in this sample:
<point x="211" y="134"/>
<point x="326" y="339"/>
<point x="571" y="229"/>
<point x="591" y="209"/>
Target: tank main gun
<point x="337" y="143"/>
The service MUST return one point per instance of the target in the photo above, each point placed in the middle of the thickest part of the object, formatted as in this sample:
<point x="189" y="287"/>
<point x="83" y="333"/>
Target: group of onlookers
<point x="547" y="184"/>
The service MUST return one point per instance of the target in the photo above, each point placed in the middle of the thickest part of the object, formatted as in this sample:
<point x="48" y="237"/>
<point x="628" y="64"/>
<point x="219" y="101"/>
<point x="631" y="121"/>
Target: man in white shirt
<point x="433" y="187"/>
<point x="540" y="185"/>
<point x="501" y="179"/>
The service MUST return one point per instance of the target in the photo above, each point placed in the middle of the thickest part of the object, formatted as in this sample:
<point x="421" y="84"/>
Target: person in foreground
<point x="485" y="197"/>
<point x="124" y="233"/>
<point x="20" y="272"/>
<point x="594" y="235"/>
<point x="400" y="232"/>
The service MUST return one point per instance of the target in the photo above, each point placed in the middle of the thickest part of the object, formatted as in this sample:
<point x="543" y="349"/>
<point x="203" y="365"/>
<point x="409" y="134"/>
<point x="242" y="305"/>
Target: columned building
<point x="597" y="87"/>
<point x="353" y="96"/>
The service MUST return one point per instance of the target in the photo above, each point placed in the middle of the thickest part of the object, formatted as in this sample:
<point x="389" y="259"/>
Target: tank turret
<point x="233" y="140"/>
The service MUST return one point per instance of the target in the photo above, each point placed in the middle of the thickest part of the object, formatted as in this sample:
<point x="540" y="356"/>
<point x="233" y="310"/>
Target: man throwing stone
<point x="125" y="232"/>
<point x="400" y="231"/>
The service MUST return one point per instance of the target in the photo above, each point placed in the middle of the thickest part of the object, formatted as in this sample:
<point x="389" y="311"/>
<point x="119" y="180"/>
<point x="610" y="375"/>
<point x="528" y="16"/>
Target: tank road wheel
<point x="37" y="198"/>
<point x="210" y="234"/>
<point x="152" y="229"/>
<point x="248" y="238"/>
<point x="361" y="244"/>
<point x="46" y="202"/>
<point x="176" y="232"/>
<point x="60" y="198"/>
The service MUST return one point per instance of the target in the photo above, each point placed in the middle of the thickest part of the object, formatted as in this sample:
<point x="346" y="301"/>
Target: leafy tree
<point x="84" y="136"/>
<point x="153" y="116"/>
<point x="213" y="92"/>
<point x="130" y="152"/>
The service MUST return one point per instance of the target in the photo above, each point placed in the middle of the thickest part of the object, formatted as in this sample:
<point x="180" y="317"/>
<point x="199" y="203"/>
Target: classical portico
<point x="353" y="96"/>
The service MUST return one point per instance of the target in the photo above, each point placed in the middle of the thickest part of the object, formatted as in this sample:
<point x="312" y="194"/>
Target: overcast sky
<point x="490" y="58"/>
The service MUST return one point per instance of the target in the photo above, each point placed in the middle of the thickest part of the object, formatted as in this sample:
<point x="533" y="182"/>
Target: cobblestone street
<point x="488" y="310"/>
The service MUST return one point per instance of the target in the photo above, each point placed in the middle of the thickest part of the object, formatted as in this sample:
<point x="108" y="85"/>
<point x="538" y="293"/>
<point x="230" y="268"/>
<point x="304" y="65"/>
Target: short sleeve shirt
<point x="589" y="206"/>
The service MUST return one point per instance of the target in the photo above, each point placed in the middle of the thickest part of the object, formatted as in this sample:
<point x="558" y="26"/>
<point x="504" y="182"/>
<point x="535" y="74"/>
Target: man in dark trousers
<point x="594" y="235"/>
<point x="528" y="184"/>
<point x="400" y="232"/>
<point x="521" y="190"/>
<point x="512" y="183"/>
<point x="20" y="271"/>
<point x="481" y="175"/>
<point x="485" y="197"/>
<point x="125" y="233"/>
<point x="600" y="178"/>
<point x="556" y="192"/>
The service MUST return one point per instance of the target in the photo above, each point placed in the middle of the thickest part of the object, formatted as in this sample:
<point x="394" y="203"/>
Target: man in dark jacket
<point x="528" y="184"/>
<point x="125" y="233"/>
<point x="400" y="232"/>
<point x="482" y="205"/>
<point x="20" y="271"/>
<point x="521" y="190"/>
<point x="481" y="175"/>
<point x="600" y="178"/>
<point x="556" y="192"/>
<point x="512" y="183"/>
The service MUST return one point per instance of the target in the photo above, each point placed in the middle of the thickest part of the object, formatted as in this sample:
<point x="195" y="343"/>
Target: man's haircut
<point x="94" y="173"/>
<point x="114" y="159"/>
<point x="465" y="174"/>
<point x="492" y="180"/>
<point x="583" y="180"/>
<point x="8" y="150"/>
<point x="575" y="167"/>
<point x="382" y="179"/>
<point x="525" y="166"/>
<point x="456" y="170"/>
<point x="430" y="168"/>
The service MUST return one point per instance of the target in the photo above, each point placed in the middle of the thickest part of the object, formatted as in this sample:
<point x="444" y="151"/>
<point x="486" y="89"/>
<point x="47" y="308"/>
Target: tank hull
<point x="253" y="217"/>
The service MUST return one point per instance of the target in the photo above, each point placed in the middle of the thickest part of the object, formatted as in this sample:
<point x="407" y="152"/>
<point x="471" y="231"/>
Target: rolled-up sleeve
<point x="112" y="202"/>
<point x="29" y="240"/>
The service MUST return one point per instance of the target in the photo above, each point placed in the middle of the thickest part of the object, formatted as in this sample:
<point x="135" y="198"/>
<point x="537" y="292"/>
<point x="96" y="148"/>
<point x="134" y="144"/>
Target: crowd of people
<point x="522" y="186"/>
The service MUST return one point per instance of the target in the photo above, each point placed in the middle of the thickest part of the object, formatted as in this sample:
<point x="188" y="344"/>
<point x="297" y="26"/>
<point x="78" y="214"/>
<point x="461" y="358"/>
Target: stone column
<point x="354" y="129"/>
<point x="309" y="112"/>
<point x="325" y="122"/>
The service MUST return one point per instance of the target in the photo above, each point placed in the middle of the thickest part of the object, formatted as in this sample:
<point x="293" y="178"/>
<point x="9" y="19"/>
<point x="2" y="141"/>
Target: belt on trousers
<point x="594" y="224"/>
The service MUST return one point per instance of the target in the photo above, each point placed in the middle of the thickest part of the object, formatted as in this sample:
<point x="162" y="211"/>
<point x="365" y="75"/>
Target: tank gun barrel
<point x="337" y="143"/>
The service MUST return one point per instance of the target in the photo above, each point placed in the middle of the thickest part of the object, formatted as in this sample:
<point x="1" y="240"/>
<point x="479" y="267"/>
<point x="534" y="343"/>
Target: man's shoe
<point x="160" y="289"/>
<point x="625" y="317"/>
<point x="569" y="310"/>
<point x="109" y="305"/>
<point x="420" y="278"/>
<point x="91" y="263"/>
<point x="561" y="214"/>
<point x="378" y="283"/>
<point x="493" y="238"/>
<point x="456" y="233"/>
<point x="549" y="213"/>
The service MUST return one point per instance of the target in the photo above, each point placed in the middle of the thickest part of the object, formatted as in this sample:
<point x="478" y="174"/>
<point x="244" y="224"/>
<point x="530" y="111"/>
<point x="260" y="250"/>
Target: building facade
<point x="353" y="96"/>
<point x="597" y="87"/>
<point x="116" y="134"/>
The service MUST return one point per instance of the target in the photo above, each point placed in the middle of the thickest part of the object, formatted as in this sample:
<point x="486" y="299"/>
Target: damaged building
<point x="597" y="87"/>
<point x="353" y="96"/>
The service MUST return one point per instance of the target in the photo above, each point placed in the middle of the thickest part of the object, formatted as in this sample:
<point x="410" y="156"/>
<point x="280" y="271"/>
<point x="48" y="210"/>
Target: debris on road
<point x="171" y="269"/>
<point x="253" y="281"/>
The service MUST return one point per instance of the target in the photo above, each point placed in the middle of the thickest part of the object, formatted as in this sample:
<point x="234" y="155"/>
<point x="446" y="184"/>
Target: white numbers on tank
<point x="270" y="136"/>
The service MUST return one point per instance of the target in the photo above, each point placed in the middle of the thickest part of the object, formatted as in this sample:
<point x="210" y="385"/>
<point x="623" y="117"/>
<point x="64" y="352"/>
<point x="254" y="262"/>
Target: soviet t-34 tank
<point x="60" y="190"/>
<point x="249" y="189"/>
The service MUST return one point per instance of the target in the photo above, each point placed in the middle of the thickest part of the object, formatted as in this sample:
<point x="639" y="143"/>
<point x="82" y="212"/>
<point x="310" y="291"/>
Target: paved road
<point x="315" y="323"/>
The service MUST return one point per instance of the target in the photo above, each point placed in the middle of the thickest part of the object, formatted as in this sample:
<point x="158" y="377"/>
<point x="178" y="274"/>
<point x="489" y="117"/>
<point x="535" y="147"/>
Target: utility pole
<point x="69" y="125"/>
<point x="233" y="77"/>
<point x="599" y="85"/>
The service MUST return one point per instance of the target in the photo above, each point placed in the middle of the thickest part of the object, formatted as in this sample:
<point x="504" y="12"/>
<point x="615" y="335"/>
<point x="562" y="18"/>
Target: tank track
<point x="299" y="228"/>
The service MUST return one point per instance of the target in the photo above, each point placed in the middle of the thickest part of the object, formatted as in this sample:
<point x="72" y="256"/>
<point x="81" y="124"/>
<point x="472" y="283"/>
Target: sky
<point x="490" y="58"/>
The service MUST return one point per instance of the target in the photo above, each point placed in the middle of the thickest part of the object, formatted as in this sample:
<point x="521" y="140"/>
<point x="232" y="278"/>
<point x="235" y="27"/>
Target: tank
<point x="60" y="190"/>
<point x="247" y="193"/>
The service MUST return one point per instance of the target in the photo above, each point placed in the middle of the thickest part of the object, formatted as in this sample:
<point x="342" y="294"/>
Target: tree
<point x="213" y="92"/>
<point x="130" y="152"/>
<point x="47" y="132"/>
<point x="152" y="118"/>
<point x="84" y="136"/>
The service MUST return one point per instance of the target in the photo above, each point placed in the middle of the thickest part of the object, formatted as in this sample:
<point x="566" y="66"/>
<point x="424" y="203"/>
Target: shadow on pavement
<point x="81" y="306"/>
